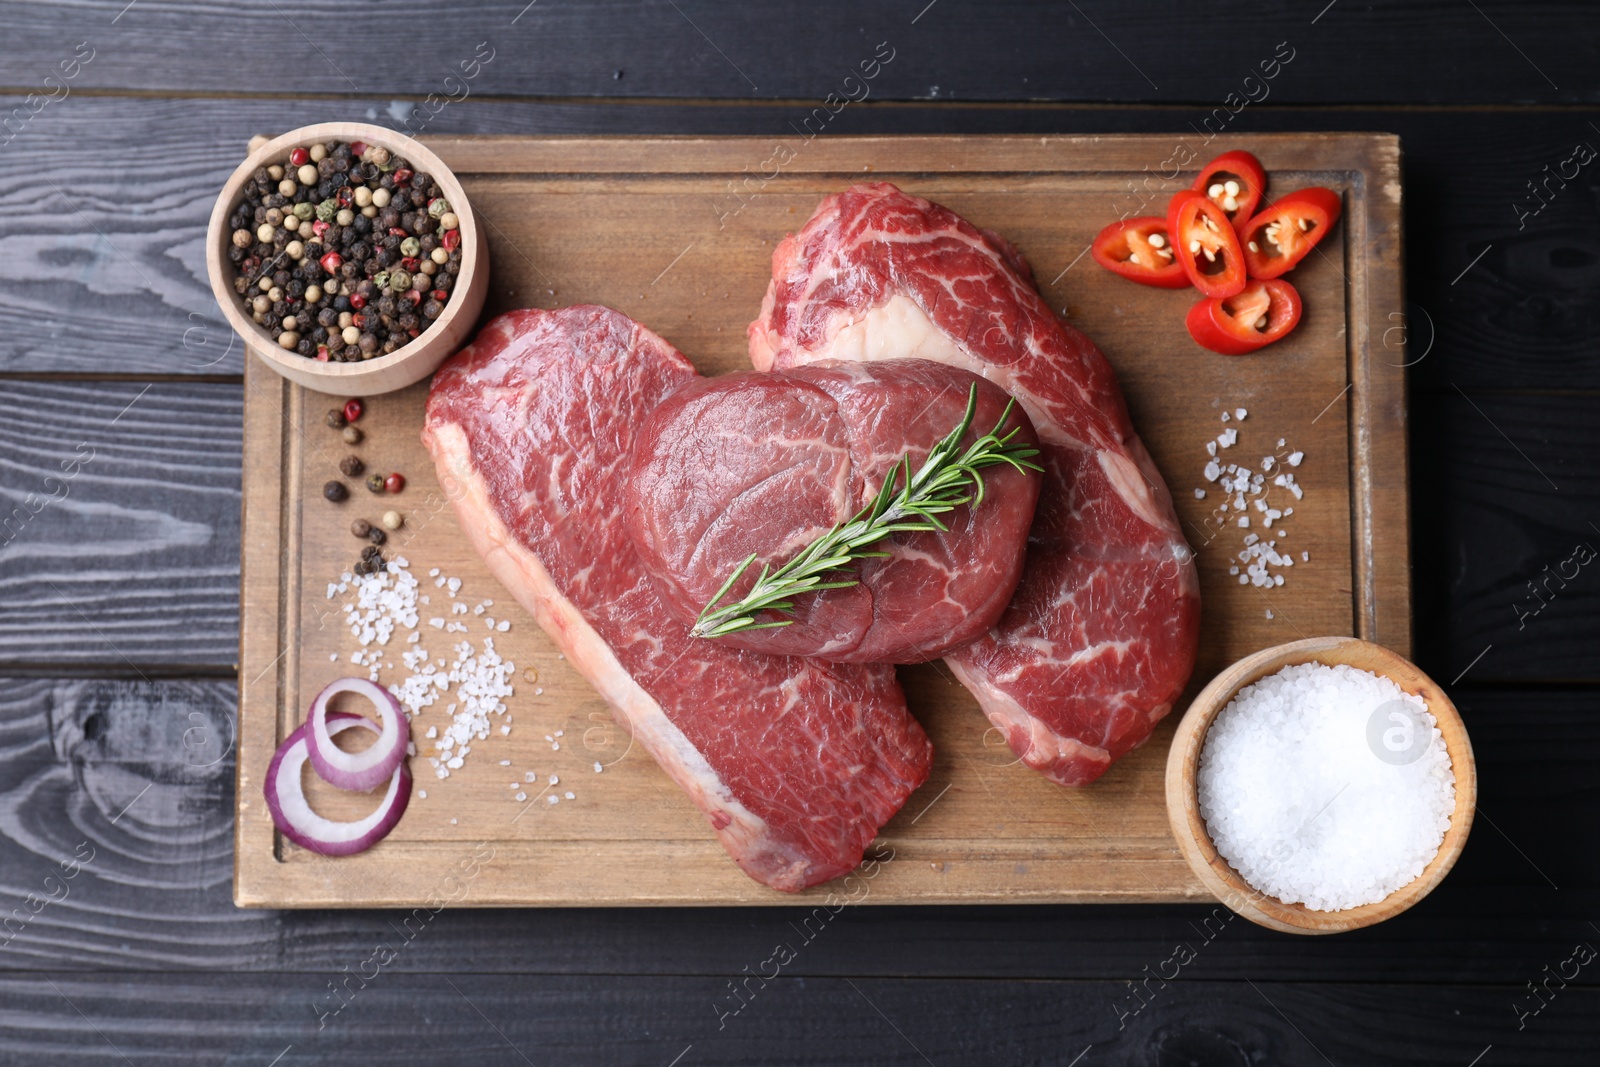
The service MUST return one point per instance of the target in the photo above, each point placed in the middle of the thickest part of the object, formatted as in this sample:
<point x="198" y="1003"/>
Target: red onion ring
<point x="291" y="812"/>
<point x="357" y="771"/>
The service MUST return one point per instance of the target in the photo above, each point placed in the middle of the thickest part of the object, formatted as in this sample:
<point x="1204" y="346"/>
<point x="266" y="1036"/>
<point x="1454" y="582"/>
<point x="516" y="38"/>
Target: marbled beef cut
<point x="1101" y="636"/>
<point x="764" y="464"/>
<point x="795" y="762"/>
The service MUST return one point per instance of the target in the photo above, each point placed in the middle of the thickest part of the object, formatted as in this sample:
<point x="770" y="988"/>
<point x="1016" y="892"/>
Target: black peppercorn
<point x="361" y="527"/>
<point x="335" y="491"/>
<point x="335" y="419"/>
<point x="370" y="552"/>
<point x="351" y="466"/>
<point x="376" y="536"/>
<point x="375" y="483"/>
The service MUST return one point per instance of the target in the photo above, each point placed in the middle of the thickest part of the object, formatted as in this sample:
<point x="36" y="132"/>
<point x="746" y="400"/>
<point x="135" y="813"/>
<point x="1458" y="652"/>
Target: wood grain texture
<point x="1522" y="317"/>
<point x="1506" y="515"/>
<point x="1411" y="52"/>
<point x="119" y="522"/>
<point x="881" y="1022"/>
<point x="647" y="227"/>
<point x="75" y="755"/>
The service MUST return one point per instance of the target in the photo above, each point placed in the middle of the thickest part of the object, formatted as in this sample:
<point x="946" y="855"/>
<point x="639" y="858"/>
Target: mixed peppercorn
<point x="344" y="252"/>
<point x="351" y="466"/>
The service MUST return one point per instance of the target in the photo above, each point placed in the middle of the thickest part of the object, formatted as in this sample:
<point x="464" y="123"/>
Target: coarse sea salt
<point x="1326" y="786"/>
<point x="1245" y="490"/>
<point x="480" y="681"/>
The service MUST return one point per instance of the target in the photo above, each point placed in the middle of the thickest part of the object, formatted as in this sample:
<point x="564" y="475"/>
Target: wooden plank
<point x="119" y="522"/>
<point x="1510" y="533"/>
<point x="76" y="755"/>
<point x="644" y="225"/>
<point x="1522" y="317"/>
<point x="1011" y="50"/>
<point x="493" y="1020"/>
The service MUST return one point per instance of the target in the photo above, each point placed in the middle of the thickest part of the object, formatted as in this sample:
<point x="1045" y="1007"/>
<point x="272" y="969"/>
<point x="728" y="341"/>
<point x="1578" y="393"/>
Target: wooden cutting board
<point x="678" y="233"/>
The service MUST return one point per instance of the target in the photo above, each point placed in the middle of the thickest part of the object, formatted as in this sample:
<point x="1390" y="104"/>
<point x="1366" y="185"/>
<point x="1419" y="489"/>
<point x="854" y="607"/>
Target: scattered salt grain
<point x="530" y="777"/>
<point x="502" y="626"/>
<point x="552" y="798"/>
<point x="1327" y="786"/>
<point x="598" y="767"/>
<point x="569" y="796"/>
<point x="505" y="763"/>
<point x="1199" y="494"/>
<point x="422" y="794"/>
<point x="522" y="796"/>
<point x="554" y="780"/>
<point x="1295" y="458"/>
<point x="333" y="657"/>
<point x="1240" y="413"/>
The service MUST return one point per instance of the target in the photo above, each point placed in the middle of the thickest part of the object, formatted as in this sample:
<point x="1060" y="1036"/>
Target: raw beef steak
<point x="796" y="762"/>
<point x="1101" y="635"/>
<point x="765" y="463"/>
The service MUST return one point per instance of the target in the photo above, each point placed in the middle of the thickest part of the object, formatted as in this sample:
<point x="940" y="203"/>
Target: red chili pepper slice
<point x="1137" y="249"/>
<point x="1234" y="177"/>
<point x="1206" y="244"/>
<point x="1281" y="235"/>
<point x="1261" y="313"/>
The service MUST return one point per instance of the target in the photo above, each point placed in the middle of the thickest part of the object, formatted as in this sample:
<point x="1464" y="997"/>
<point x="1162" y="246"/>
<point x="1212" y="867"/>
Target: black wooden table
<point x="120" y="465"/>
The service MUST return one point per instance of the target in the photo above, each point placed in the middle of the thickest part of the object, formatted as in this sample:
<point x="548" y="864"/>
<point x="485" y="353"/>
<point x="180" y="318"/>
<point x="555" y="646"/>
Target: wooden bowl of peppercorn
<point x="338" y="301"/>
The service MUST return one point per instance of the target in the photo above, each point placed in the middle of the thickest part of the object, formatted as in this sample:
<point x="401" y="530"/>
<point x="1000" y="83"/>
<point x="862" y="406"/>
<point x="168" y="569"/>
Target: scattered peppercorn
<point x="361" y="527"/>
<point x="351" y="435"/>
<point x="335" y="491"/>
<point x="377" y="536"/>
<point x="353" y="409"/>
<point x="351" y="466"/>
<point x="336" y="419"/>
<point x="375" y="482"/>
<point x="393" y="520"/>
<point x="395" y="483"/>
<point x="315" y="230"/>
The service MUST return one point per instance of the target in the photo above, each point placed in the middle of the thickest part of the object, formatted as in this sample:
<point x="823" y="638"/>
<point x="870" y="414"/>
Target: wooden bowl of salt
<point x="1394" y="734"/>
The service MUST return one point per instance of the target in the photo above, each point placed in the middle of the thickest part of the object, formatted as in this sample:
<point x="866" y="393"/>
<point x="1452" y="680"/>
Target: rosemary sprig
<point x="947" y="479"/>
